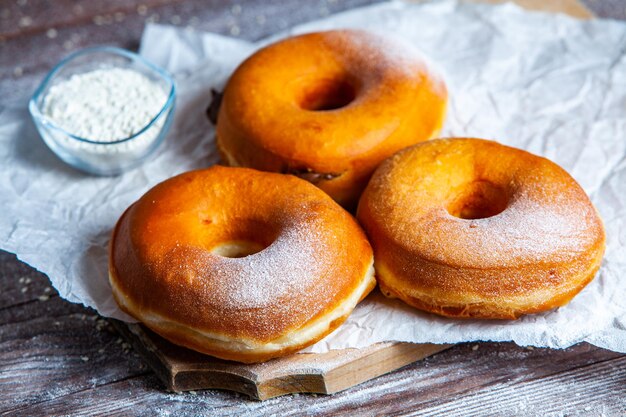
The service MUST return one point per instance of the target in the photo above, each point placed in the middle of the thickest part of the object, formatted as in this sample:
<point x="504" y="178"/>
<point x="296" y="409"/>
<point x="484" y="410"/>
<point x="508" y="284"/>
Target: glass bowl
<point x="97" y="157"/>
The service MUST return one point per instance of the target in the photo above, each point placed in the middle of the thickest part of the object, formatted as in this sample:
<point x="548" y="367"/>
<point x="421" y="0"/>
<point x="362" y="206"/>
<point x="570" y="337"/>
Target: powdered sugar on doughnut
<point x="290" y="266"/>
<point x="165" y="257"/>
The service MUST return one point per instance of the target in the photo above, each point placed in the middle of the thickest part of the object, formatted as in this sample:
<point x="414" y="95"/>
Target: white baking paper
<point x="549" y="84"/>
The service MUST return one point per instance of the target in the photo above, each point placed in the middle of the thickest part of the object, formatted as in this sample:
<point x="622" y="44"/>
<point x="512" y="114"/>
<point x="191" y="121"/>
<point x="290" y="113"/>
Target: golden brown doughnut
<point x="329" y="107"/>
<point x="472" y="228"/>
<point x="239" y="264"/>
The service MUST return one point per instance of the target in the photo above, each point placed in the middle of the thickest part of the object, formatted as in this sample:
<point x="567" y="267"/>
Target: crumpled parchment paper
<point x="549" y="84"/>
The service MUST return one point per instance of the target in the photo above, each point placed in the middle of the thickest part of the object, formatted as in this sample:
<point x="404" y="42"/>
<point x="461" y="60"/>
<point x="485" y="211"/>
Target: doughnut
<point x="239" y="264"/>
<point x="470" y="228"/>
<point x="328" y="107"/>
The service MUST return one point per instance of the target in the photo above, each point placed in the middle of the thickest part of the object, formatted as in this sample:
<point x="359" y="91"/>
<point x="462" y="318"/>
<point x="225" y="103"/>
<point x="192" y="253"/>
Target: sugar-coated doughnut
<point x="239" y="264"/>
<point x="473" y="228"/>
<point x="329" y="107"/>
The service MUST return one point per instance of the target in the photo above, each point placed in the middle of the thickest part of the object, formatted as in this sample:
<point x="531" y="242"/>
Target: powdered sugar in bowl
<point x="104" y="110"/>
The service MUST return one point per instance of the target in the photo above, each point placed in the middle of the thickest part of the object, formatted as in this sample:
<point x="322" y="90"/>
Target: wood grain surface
<point x="182" y="369"/>
<point x="58" y="358"/>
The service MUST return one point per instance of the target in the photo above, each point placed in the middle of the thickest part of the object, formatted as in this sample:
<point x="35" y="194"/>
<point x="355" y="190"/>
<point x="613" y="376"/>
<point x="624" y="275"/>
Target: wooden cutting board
<point x="181" y="369"/>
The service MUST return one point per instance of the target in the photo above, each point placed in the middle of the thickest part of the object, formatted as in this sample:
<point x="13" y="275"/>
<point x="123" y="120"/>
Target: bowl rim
<point x="37" y="114"/>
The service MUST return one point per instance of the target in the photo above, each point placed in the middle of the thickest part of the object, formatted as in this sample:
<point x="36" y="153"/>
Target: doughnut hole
<point x="327" y="94"/>
<point x="479" y="199"/>
<point x="237" y="249"/>
<point x="246" y="238"/>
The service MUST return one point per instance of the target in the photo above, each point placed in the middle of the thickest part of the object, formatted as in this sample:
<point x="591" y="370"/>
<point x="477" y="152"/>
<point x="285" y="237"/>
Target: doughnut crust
<point x="239" y="264"/>
<point x="329" y="107"/>
<point x="472" y="228"/>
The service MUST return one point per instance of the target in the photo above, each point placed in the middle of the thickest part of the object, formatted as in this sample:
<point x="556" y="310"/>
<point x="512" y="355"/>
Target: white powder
<point x="104" y="105"/>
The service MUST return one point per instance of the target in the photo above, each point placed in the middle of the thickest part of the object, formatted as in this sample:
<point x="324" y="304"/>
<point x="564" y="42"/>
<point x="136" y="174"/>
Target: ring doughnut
<point x="239" y="264"/>
<point x="329" y="107"/>
<point x="472" y="228"/>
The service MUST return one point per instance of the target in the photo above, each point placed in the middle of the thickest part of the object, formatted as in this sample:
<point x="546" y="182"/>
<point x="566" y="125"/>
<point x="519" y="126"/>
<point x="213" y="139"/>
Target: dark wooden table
<point x="58" y="358"/>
